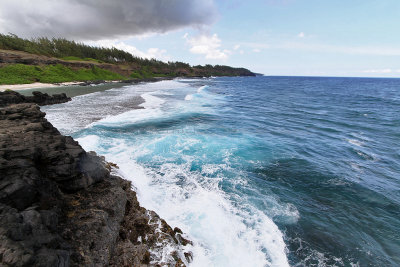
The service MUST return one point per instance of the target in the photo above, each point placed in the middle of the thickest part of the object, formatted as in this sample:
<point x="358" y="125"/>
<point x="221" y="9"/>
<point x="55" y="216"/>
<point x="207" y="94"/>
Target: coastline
<point x="72" y="89"/>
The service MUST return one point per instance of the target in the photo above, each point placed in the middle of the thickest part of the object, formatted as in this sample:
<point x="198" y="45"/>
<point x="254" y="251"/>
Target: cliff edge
<point x="62" y="206"/>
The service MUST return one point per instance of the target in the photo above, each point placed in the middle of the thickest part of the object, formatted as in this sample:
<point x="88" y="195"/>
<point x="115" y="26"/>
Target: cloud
<point x="256" y="50"/>
<point x="301" y="35"/>
<point x="156" y="53"/>
<point x="102" y="19"/>
<point x="208" y="45"/>
<point x="236" y="47"/>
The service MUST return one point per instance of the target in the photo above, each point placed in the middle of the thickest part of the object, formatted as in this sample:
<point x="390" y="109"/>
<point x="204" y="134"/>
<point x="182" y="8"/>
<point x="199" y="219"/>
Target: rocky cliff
<point x="62" y="206"/>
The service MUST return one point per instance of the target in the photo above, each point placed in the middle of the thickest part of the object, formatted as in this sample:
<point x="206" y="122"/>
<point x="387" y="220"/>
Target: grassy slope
<point x="20" y="74"/>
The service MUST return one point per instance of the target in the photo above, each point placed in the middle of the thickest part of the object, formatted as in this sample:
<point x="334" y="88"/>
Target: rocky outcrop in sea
<point x="63" y="206"/>
<point x="9" y="97"/>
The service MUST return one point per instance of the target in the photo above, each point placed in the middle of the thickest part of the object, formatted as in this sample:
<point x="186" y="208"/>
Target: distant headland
<point x="59" y="60"/>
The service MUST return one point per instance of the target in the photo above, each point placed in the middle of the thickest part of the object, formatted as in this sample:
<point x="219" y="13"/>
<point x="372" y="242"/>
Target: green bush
<point x="71" y="58"/>
<point x="160" y="75"/>
<point x="82" y="59"/>
<point x="136" y="75"/>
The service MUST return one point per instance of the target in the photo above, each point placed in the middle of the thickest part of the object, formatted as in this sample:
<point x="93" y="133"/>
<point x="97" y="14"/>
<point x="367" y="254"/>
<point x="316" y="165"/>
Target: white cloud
<point x="301" y="35"/>
<point x="208" y="45"/>
<point x="236" y="47"/>
<point x="256" y="50"/>
<point x="156" y="53"/>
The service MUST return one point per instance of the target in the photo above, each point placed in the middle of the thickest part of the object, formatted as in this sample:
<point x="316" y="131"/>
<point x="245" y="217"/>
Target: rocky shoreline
<point x="63" y="206"/>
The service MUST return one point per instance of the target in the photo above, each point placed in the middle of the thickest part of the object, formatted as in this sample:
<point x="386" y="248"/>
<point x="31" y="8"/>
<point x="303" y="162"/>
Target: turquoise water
<point x="258" y="171"/>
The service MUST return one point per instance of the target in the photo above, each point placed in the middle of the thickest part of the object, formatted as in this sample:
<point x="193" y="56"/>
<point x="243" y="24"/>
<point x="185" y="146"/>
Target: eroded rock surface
<point x="60" y="206"/>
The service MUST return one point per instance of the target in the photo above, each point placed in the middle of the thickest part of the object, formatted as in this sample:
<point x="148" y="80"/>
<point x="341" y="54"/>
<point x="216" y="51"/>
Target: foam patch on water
<point x="85" y="110"/>
<point x="188" y="97"/>
<point x="151" y="110"/>
<point x="89" y="142"/>
<point x="201" y="88"/>
<point x="151" y="101"/>
<point x="355" y="142"/>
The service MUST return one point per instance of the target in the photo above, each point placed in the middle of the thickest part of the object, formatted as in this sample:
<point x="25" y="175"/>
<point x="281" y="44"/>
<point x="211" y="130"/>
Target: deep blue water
<point x="258" y="171"/>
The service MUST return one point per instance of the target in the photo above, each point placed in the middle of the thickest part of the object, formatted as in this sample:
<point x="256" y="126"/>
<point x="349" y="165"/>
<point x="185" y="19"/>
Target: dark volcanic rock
<point x="11" y="97"/>
<point x="143" y="236"/>
<point x="59" y="205"/>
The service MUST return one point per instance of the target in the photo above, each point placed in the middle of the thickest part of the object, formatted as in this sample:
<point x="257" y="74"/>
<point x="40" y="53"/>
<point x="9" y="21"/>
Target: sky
<point x="358" y="38"/>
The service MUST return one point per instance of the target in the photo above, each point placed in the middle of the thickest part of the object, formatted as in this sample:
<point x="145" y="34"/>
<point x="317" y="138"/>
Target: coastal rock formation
<point x="11" y="97"/>
<point x="61" y="206"/>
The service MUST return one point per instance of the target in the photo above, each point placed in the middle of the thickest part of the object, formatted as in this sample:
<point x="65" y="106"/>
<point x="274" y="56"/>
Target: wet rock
<point x="142" y="229"/>
<point x="59" y="205"/>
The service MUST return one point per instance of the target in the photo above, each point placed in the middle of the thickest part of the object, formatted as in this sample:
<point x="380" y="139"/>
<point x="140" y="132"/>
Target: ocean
<point x="257" y="171"/>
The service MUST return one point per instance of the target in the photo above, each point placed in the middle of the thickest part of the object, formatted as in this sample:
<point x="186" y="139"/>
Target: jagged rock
<point x="9" y="97"/>
<point x="59" y="205"/>
<point x="144" y="230"/>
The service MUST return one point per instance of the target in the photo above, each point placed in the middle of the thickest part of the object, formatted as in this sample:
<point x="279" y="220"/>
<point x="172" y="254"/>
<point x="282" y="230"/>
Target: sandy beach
<point x="35" y="85"/>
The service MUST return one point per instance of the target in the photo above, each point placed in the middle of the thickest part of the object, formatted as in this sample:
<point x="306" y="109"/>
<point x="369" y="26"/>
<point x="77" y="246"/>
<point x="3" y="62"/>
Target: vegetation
<point x="128" y="65"/>
<point x="20" y="74"/>
<point x="72" y="58"/>
<point x="62" y="48"/>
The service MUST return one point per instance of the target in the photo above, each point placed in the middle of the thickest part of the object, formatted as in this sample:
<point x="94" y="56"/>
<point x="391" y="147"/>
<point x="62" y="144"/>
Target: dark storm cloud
<point x="101" y="19"/>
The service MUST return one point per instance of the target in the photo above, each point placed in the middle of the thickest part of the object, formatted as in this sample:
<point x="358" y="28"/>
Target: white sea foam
<point x="188" y="97"/>
<point x="225" y="230"/>
<point x="89" y="142"/>
<point x="151" y="101"/>
<point x="223" y="234"/>
<point x="355" y="142"/>
<point x="86" y="110"/>
<point x="128" y="118"/>
<point x="151" y="110"/>
<point x="201" y="88"/>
